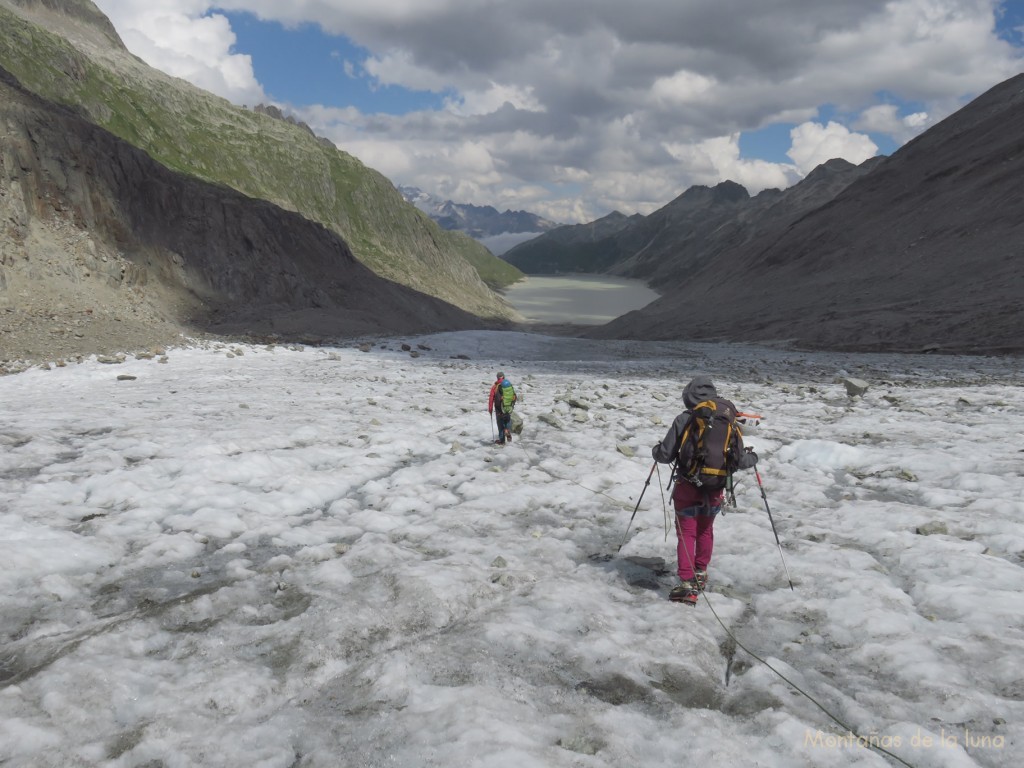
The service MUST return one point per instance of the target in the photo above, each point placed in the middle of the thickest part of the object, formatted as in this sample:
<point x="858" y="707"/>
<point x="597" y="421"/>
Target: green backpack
<point x="508" y="396"/>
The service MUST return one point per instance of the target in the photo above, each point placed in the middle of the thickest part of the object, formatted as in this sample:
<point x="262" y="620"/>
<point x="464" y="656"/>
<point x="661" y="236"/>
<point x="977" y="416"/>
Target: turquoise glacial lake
<point x="577" y="299"/>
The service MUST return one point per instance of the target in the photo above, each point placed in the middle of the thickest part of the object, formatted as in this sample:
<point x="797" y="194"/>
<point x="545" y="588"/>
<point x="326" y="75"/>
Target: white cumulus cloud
<point x="885" y="118"/>
<point x="814" y="144"/>
<point x="179" y="39"/>
<point x="607" y="104"/>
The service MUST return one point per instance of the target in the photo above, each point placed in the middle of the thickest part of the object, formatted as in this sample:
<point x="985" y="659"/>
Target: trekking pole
<point x="492" y="426"/>
<point x="772" y="521"/>
<point x="648" y="482"/>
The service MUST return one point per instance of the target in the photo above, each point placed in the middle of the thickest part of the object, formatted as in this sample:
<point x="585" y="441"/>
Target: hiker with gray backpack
<point x="706" y="444"/>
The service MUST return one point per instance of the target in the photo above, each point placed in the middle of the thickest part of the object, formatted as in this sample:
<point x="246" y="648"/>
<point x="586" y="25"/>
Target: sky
<point x="265" y="557"/>
<point x="573" y="109"/>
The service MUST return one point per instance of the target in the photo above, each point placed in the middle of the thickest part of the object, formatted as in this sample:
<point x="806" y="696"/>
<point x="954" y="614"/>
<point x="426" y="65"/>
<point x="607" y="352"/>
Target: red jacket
<point x="490" y="398"/>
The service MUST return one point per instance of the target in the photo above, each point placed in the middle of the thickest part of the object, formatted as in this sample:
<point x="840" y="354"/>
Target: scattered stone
<point x="581" y="744"/>
<point x="550" y="419"/>
<point x="365" y="347"/>
<point x="625" y="450"/>
<point x="855" y="387"/>
<point x="406" y="348"/>
<point x="110" y="360"/>
<point x="499" y="562"/>
<point x="126" y="377"/>
<point x="932" y="529"/>
<point x="656" y="564"/>
<point x="424" y="347"/>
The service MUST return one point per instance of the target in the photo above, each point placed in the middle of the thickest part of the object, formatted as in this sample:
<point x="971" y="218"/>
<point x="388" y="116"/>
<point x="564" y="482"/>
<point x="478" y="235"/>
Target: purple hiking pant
<point x="695" y="528"/>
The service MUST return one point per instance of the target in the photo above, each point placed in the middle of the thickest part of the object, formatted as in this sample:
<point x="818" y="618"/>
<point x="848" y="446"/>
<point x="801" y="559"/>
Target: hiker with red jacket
<point x="501" y="402"/>
<point x="701" y="475"/>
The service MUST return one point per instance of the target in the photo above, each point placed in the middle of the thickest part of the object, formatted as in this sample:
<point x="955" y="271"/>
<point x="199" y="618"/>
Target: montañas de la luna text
<point x="920" y="740"/>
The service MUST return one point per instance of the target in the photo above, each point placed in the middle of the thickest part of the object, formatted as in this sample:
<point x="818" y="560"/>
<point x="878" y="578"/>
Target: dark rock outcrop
<point x="61" y="51"/>
<point x="202" y="254"/>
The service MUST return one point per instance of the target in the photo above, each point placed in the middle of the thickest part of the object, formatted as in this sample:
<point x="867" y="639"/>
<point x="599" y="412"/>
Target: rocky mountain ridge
<point x="103" y="249"/>
<point x="924" y="251"/>
<point x="663" y="247"/>
<point x="63" y="51"/>
<point x="477" y="221"/>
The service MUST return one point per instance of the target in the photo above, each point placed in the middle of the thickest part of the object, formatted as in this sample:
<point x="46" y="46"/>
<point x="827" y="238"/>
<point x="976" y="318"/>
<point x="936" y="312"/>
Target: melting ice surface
<point x="274" y="557"/>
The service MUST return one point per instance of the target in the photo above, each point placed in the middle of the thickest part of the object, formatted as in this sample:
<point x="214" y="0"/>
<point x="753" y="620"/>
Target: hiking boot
<point x="701" y="579"/>
<point x="499" y="442"/>
<point x="508" y="436"/>
<point x="684" y="592"/>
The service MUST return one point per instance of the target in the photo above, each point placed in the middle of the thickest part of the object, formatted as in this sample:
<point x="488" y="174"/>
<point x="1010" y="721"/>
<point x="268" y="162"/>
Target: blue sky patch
<point x="304" y="66"/>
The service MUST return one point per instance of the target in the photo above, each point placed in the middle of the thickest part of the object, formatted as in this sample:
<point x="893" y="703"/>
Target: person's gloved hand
<point x="749" y="459"/>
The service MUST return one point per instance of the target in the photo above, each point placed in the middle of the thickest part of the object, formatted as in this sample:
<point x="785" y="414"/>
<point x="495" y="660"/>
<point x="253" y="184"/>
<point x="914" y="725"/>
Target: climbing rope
<point x="860" y="739"/>
<point x="834" y="718"/>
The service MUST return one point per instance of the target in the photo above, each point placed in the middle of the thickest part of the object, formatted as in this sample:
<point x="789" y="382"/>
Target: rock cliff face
<point x="92" y="227"/>
<point x="67" y="52"/>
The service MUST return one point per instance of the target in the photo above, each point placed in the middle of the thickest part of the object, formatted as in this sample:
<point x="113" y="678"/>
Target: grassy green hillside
<point x="200" y="134"/>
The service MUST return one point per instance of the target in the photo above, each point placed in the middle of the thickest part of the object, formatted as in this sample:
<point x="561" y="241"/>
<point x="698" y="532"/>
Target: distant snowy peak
<point x="475" y="220"/>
